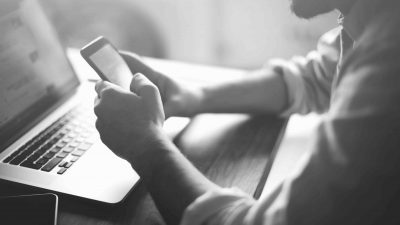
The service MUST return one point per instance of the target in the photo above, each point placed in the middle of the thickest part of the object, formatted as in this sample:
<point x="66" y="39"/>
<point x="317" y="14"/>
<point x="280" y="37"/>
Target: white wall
<point x="187" y="27"/>
<point x="234" y="32"/>
<point x="256" y="30"/>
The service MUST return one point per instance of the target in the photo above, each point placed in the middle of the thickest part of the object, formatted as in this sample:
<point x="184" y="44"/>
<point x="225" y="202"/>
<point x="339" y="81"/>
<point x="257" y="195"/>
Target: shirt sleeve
<point x="309" y="79"/>
<point x="226" y="205"/>
<point x="351" y="175"/>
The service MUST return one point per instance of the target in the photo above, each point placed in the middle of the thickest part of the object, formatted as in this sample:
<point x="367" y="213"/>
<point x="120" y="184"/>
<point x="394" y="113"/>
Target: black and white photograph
<point x="199" y="112"/>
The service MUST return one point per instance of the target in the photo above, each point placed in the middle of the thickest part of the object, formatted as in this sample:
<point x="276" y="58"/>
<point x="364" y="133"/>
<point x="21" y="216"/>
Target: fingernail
<point x="137" y="75"/>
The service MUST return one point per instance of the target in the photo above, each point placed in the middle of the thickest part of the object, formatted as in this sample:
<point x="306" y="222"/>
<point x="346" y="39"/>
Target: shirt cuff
<point x="212" y="203"/>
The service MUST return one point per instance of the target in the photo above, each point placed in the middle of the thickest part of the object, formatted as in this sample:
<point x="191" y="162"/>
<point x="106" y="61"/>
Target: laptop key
<point x="19" y="158"/>
<point x="85" y="146"/>
<point x="63" y="163"/>
<point x="62" y="144"/>
<point x="8" y="159"/>
<point x="59" y="139"/>
<point x="17" y="152"/>
<point x="49" y="155"/>
<point x="62" y="155"/>
<point x="47" y="146"/>
<point x="74" y="144"/>
<point x="78" y="153"/>
<point x="50" y="165"/>
<point x="73" y="135"/>
<point x="31" y="165"/>
<point x="41" y="151"/>
<point x="55" y="149"/>
<point x="40" y="141"/>
<point x="75" y="158"/>
<point x="33" y="158"/>
<point x="62" y="170"/>
<point x="53" y="141"/>
<point x="42" y="161"/>
<point x="29" y="150"/>
<point x="69" y="149"/>
<point x="67" y="139"/>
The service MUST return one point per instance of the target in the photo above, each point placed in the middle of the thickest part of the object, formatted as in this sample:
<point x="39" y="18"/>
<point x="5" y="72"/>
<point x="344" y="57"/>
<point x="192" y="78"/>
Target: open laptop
<point x="47" y="134"/>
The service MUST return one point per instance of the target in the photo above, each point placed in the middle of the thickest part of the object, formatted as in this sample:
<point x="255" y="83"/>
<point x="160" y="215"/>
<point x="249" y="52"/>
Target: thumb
<point x="148" y="91"/>
<point x="136" y="64"/>
<point x="101" y="86"/>
<point x="141" y="85"/>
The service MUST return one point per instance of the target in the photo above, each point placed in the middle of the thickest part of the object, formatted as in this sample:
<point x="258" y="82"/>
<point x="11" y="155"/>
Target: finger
<point x="149" y="92"/>
<point x="134" y="62"/>
<point x="98" y="125"/>
<point x="103" y="87"/>
<point x="97" y="109"/>
<point x="127" y="54"/>
<point x="141" y="84"/>
<point x="101" y="128"/>
<point x="109" y="100"/>
<point x="100" y="86"/>
<point x="168" y="108"/>
<point x="136" y="65"/>
<point x="96" y="100"/>
<point x="106" y="135"/>
<point x="97" y="86"/>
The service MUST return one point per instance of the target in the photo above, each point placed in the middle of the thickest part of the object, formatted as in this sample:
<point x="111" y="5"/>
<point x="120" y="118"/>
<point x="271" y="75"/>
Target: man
<point x="352" y="175"/>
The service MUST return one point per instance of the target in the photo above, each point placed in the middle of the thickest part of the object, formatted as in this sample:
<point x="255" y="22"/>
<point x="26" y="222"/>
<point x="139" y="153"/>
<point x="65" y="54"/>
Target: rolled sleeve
<point x="309" y="79"/>
<point x="224" y="206"/>
<point x="350" y="176"/>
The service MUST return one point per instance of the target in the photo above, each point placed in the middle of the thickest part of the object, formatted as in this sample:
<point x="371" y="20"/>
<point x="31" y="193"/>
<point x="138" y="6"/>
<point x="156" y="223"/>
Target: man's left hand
<point x="129" y="122"/>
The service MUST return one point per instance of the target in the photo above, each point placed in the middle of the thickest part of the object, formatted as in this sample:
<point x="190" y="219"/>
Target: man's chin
<point x="310" y="8"/>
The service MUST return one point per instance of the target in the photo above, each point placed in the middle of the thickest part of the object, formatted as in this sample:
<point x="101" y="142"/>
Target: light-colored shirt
<point x="352" y="174"/>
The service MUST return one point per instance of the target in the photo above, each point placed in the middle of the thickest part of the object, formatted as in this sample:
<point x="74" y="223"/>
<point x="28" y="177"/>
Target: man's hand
<point x="129" y="123"/>
<point x="177" y="99"/>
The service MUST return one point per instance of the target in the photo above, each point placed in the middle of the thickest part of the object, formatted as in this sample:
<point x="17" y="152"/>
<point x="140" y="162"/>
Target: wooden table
<point x="231" y="150"/>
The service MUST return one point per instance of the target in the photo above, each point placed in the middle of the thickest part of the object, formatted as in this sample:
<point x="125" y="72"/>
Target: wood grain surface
<point x="231" y="150"/>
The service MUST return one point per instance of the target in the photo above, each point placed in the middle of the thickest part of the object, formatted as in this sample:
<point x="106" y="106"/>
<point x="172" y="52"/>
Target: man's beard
<point x="310" y="8"/>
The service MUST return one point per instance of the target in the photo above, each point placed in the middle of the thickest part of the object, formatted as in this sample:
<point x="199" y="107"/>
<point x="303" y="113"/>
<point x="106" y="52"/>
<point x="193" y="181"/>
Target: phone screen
<point x="112" y="66"/>
<point x="29" y="209"/>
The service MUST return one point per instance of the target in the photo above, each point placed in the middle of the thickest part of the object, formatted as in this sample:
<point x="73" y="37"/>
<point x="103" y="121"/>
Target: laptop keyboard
<point x="58" y="146"/>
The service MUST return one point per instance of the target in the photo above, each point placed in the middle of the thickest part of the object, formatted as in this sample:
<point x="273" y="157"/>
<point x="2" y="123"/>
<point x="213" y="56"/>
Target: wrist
<point x="188" y="103"/>
<point x="156" y="147"/>
<point x="204" y="100"/>
<point x="197" y="103"/>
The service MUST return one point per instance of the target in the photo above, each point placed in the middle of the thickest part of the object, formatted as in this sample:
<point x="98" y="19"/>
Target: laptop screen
<point x="34" y="73"/>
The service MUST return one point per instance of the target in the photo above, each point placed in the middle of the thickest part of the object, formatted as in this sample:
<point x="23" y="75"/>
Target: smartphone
<point x="29" y="209"/>
<point x="104" y="58"/>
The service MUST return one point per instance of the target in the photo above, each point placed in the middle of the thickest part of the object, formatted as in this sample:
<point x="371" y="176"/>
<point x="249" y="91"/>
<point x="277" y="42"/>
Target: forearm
<point x="171" y="179"/>
<point x="259" y="92"/>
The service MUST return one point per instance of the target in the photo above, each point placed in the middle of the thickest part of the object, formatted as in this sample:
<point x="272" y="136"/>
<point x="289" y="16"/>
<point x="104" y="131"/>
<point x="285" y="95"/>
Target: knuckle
<point x="102" y="138"/>
<point x="149" y="87"/>
<point x="101" y="111"/>
<point x="98" y="124"/>
<point x="108" y="93"/>
<point x="97" y="110"/>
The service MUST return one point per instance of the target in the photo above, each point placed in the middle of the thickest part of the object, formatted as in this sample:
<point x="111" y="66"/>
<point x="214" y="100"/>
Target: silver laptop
<point x="47" y="134"/>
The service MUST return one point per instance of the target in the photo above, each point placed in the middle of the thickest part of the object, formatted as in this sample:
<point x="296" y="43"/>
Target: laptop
<point x="47" y="134"/>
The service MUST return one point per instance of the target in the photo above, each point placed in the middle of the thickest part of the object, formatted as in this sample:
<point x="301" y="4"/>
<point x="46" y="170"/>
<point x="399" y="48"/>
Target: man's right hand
<point x="178" y="100"/>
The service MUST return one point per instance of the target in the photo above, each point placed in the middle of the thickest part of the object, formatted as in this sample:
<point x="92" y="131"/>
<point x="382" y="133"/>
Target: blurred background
<point x="233" y="33"/>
